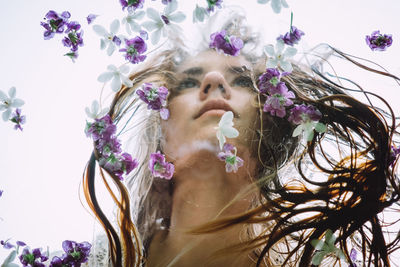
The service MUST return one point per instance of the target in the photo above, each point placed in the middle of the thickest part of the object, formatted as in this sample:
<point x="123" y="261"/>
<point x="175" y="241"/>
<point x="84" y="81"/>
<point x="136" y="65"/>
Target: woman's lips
<point x="214" y="107"/>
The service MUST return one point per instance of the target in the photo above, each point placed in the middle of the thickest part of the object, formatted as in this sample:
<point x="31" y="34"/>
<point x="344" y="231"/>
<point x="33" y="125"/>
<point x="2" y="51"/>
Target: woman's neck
<point x="203" y="191"/>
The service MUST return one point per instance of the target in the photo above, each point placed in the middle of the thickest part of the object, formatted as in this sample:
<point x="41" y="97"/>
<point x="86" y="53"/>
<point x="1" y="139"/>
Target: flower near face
<point x="117" y="77"/>
<point x="55" y="23"/>
<point x="225" y="129"/>
<point x="18" y="119"/>
<point x="378" y="42"/>
<point x="34" y="258"/>
<point x="155" y="98"/>
<point x="159" y="24"/>
<point x="278" y="100"/>
<point x="134" y="49"/>
<point x="307" y="118"/>
<point x="270" y="80"/>
<point x="131" y="5"/>
<point x="159" y="167"/>
<point x="109" y="38"/>
<point x="293" y="37"/>
<point x="130" y="21"/>
<point x="277" y="56"/>
<point x="326" y="248"/>
<point x="94" y="112"/>
<point x="275" y="4"/>
<point x="229" y="45"/>
<point x="232" y="162"/>
<point x="7" y="103"/>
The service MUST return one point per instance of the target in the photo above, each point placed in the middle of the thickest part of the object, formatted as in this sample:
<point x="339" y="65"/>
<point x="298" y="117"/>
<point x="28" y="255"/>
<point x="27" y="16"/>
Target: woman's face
<point x="209" y="84"/>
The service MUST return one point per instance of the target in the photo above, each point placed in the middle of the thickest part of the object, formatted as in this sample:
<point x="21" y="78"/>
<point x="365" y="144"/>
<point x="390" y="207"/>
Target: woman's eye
<point x="188" y="83"/>
<point x="243" y="81"/>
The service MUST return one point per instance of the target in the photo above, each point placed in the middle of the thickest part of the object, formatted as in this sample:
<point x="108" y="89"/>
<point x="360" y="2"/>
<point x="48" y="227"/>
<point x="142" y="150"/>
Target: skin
<point x="202" y="189"/>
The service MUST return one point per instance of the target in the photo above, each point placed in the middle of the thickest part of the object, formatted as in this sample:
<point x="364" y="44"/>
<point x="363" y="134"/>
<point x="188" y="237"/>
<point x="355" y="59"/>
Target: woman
<point x="289" y="193"/>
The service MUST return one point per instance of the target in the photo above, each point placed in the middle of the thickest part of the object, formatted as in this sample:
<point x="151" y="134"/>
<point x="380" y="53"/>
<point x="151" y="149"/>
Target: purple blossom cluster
<point x="134" y="50"/>
<point x="378" y="42"/>
<point x="278" y="95"/>
<point x="34" y="258"/>
<point x="131" y="5"/>
<point x="108" y="146"/>
<point x="59" y="24"/>
<point x="75" y="254"/>
<point x="212" y="4"/>
<point x="293" y="37"/>
<point x="229" y="45"/>
<point x="155" y="98"/>
<point x="18" y="119"/>
<point x="301" y="114"/>
<point x="159" y="167"/>
<point x="232" y="162"/>
<point x="7" y="244"/>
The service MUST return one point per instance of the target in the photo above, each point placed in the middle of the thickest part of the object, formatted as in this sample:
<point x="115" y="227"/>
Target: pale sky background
<point x="41" y="168"/>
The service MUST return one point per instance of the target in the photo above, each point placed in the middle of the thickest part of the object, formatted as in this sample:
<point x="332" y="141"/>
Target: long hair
<point x="355" y="179"/>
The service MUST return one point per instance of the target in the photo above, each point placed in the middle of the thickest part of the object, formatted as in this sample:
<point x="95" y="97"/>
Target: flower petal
<point x="155" y="36"/>
<point x="290" y="52"/>
<point x="12" y="92"/>
<point x="153" y="14"/>
<point x="116" y="84"/>
<point x="150" y="25"/>
<point x="276" y="6"/>
<point x="100" y="30"/>
<point x="17" y="103"/>
<point x="124" y="69"/>
<point x="230" y="132"/>
<point x="221" y="139"/>
<point x="271" y="63"/>
<point x="6" y="114"/>
<point x="284" y="3"/>
<point x="171" y="7"/>
<point x="262" y="1"/>
<point x="110" y="49"/>
<point x="102" y="44"/>
<point x="269" y="50"/>
<point x="297" y="131"/>
<point x="114" y="27"/>
<point x="316" y="260"/>
<point x="279" y="47"/>
<point x="3" y="96"/>
<point x="177" y="17"/>
<point x="105" y="77"/>
<point x="320" y="127"/>
<point x="286" y="66"/>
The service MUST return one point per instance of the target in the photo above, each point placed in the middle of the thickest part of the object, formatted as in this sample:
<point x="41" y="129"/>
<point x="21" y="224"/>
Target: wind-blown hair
<point x="341" y="180"/>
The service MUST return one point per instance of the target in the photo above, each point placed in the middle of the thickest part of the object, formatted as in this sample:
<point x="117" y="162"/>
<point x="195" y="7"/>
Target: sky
<point x="41" y="168"/>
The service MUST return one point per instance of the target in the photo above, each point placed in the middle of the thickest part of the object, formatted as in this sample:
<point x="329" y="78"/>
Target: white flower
<point x="199" y="14"/>
<point x="130" y="22"/>
<point x="308" y="129"/>
<point x="117" y="76"/>
<point x="159" y="25"/>
<point x="108" y="37"/>
<point x="278" y="56"/>
<point x="275" y="4"/>
<point x="225" y="128"/>
<point x="10" y="258"/>
<point x="7" y="103"/>
<point x="94" y="112"/>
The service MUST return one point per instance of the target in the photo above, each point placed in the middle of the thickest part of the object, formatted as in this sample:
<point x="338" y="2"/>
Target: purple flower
<point x="1" y="193"/>
<point x="18" y="119"/>
<point x="269" y="81"/>
<point x="32" y="258"/>
<point x="293" y="37"/>
<point x="394" y="152"/>
<point x="230" y="45"/>
<point x="276" y="103"/>
<point x="232" y="162"/>
<point x="90" y="18"/>
<point x="134" y="49"/>
<point x="76" y="253"/>
<point x="212" y="4"/>
<point x="6" y="244"/>
<point x="131" y="5"/>
<point x="73" y="26"/>
<point x="159" y="167"/>
<point x="59" y="262"/>
<point x="73" y="40"/>
<point x="21" y="243"/>
<point x="155" y="98"/>
<point x="304" y="113"/>
<point x="378" y="42"/>
<point x="101" y="128"/>
<point x="55" y="23"/>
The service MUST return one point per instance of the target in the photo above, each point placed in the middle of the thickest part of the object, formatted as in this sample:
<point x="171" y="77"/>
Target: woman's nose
<point x="214" y="83"/>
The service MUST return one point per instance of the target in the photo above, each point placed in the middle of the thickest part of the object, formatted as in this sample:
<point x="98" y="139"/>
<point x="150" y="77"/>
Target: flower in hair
<point x="94" y="112"/>
<point x="353" y="258"/>
<point x="394" y="153"/>
<point x="325" y="248"/>
<point x="160" y="23"/>
<point x="270" y="80"/>
<point x="212" y="4"/>
<point x="135" y="47"/>
<point x="34" y="258"/>
<point x="278" y="56"/>
<point x="130" y="21"/>
<point x="117" y="77"/>
<point x="293" y="37"/>
<point x="278" y="100"/>
<point x="307" y="118"/>
<point x="55" y="23"/>
<point x="159" y="167"/>
<point x="131" y="5"/>
<point x="18" y="119"/>
<point x="109" y="39"/>
<point x="378" y="42"/>
<point x="225" y="129"/>
<point x="7" y="103"/>
<point x="232" y="161"/>
<point x="275" y="4"/>
<point x="155" y="98"/>
<point x="229" y="45"/>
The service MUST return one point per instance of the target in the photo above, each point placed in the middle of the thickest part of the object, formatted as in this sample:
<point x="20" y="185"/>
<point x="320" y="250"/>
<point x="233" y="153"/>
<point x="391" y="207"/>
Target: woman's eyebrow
<point x="195" y="71"/>
<point x="237" y="69"/>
